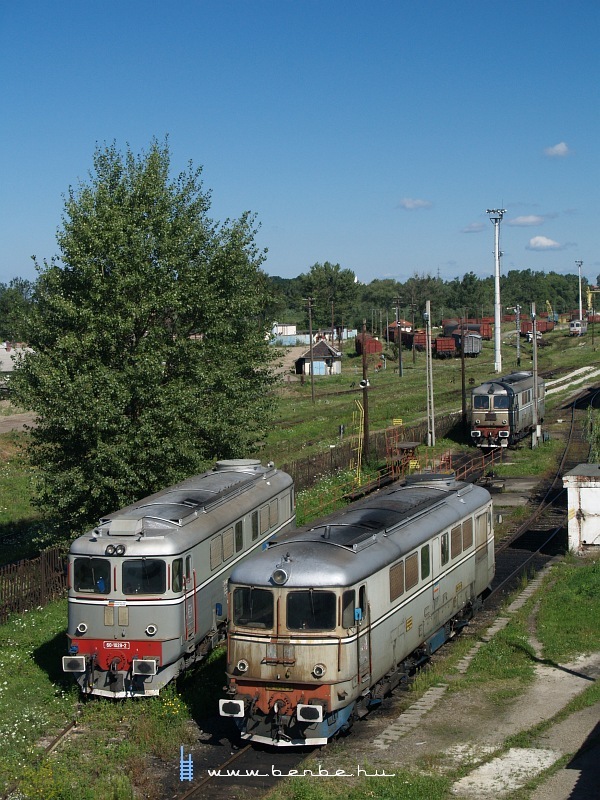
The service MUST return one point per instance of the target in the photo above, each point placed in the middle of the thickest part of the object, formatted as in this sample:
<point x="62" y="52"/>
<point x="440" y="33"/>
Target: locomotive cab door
<point x="363" y="621"/>
<point x="435" y="571"/>
<point x="189" y="603"/>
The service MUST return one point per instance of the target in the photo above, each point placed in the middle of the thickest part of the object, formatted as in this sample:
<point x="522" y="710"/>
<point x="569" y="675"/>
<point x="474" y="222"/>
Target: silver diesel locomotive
<point x="327" y="620"/>
<point x="148" y="586"/>
<point x="504" y="410"/>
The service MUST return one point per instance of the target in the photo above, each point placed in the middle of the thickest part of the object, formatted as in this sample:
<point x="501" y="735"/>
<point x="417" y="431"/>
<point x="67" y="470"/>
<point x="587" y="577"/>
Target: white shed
<point x="583" y="498"/>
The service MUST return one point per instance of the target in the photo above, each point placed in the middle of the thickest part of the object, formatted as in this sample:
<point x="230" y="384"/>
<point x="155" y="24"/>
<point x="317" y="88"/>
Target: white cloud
<point x="527" y="220"/>
<point x="473" y="227"/>
<point x="559" y="150"/>
<point x="543" y="243"/>
<point x="412" y="203"/>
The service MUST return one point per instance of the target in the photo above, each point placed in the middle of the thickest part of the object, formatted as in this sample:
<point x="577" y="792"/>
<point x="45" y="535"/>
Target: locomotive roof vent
<point x="238" y="465"/>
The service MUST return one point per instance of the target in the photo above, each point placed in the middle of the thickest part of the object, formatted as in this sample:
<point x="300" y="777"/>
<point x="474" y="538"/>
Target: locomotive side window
<point x="227" y="544"/>
<point x="264" y="519"/>
<point x="311" y="611"/>
<point x="481" y="402"/>
<point x="254" y="525"/>
<point x="91" y="575"/>
<point x="396" y="580"/>
<point x="177" y="574"/>
<point x="253" y="608"/>
<point x="455" y="541"/>
<point x="445" y="549"/>
<point x="188" y="569"/>
<point x="412" y="571"/>
<point x="273" y="513"/>
<point x="481" y="528"/>
<point x="425" y="565"/>
<point x="348" y="602"/>
<point x="362" y="601"/>
<point x="144" y="576"/>
<point x="467" y="533"/>
<point x="239" y="536"/>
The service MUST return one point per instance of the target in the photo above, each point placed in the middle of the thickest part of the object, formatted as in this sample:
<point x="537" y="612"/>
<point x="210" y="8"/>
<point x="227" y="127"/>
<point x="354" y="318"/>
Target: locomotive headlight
<point x="319" y="670"/>
<point x="81" y="628"/>
<point x="151" y="630"/>
<point x="279" y="576"/>
<point x="110" y="550"/>
<point x="242" y="665"/>
<point x="120" y="550"/>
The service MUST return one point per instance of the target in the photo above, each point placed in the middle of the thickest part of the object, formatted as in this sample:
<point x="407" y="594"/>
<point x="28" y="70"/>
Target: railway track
<point x="249" y="772"/>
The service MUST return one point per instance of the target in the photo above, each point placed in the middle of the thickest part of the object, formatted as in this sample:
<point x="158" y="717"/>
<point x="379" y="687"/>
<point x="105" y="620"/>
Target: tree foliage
<point x="333" y="291"/>
<point x="15" y="303"/>
<point x="149" y="336"/>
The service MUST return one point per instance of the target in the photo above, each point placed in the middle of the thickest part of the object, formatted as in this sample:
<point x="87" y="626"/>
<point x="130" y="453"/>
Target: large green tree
<point x="150" y="352"/>
<point x="333" y="291"/>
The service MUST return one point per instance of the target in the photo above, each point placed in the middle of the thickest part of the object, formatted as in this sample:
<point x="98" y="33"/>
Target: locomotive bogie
<point x="148" y="586"/>
<point x="335" y="616"/>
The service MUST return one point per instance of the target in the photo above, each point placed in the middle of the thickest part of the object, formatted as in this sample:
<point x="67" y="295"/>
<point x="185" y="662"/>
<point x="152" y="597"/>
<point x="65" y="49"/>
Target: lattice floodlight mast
<point x="496" y="219"/>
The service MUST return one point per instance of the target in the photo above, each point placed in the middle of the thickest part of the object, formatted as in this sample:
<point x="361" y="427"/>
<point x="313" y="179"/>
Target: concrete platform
<point x="512" y="492"/>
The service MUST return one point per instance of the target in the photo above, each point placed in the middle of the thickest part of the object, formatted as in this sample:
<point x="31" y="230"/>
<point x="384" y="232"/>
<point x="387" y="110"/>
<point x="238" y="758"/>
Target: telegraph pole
<point x="496" y="219"/>
<point x="310" y="336"/>
<point x="399" y="337"/>
<point x="429" y="369"/>
<point x="579" y="265"/>
<point x="365" y="393"/>
<point x="535" y="434"/>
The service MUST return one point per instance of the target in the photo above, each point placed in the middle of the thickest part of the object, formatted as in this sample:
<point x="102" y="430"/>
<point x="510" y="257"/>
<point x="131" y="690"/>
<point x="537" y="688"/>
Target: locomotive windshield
<point x="253" y="608"/>
<point x="481" y="402"/>
<point x="91" y="575"/>
<point x="501" y="401"/>
<point x="144" y="576"/>
<point x="311" y="611"/>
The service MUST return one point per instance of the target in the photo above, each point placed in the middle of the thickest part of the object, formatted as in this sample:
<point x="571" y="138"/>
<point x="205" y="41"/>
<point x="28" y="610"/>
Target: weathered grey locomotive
<point x="148" y="586"/>
<point x="328" y="619"/>
<point x="502" y="409"/>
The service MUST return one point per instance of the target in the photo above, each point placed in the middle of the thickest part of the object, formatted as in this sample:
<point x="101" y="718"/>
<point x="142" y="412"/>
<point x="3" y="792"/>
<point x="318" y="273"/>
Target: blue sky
<point x="370" y="134"/>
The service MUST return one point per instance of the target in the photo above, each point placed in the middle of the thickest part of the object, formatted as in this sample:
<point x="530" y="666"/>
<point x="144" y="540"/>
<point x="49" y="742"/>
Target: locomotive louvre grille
<point x="396" y="580"/>
<point x="412" y="571"/>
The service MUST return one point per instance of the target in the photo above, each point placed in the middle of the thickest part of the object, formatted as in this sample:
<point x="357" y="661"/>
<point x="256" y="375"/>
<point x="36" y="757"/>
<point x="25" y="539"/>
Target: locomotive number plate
<point x="116" y="645"/>
<point x="279" y="688"/>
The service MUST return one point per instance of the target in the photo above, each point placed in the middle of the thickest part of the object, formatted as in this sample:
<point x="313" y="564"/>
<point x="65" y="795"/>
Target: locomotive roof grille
<point x="175" y="507"/>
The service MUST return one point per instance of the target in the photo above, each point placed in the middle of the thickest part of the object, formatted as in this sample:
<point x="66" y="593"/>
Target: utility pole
<point x="413" y="306"/>
<point x="332" y="326"/>
<point x="462" y="372"/>
<point x="308" y="302"/>
<point x="399" y="337"/>
<point x="579" y="265"/>
<point x="536" y="433"/>
<point x="517" y="310"/>
<point x="496" y="219"/>
<point x="429" y="371"/>
<point x="365" y="392"/>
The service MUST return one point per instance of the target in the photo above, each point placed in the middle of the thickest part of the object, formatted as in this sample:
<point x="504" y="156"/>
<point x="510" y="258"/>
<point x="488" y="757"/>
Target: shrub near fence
<point x="308" y="471"/>
<point x="32" y="583"/>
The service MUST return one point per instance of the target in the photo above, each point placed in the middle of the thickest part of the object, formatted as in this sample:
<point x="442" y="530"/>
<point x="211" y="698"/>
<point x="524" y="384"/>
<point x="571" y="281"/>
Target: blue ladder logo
<point x="186" y="767"/>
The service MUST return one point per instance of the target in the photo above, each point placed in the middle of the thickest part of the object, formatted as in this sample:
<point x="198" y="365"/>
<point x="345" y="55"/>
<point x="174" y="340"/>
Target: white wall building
<point x="583" y="491"/>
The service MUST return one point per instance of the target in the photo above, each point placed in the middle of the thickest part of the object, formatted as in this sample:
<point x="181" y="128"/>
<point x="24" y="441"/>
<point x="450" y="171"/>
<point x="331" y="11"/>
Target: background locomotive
<point x="327" y="620"/>
<point x="148" y="586"/>
<point x="502" y="409"/>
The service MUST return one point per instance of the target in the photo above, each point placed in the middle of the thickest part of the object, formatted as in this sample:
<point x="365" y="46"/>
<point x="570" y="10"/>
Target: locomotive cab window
<point x="252" y="608"/>
<point x="481" y="402"/>
<point x="501" y="401"/>
<point x="91" y="575"/>
<point x="177" y="574"/>
<point x="311" y="611"/>
<point x="144" y="576"/>
<point x="348" y="603"/>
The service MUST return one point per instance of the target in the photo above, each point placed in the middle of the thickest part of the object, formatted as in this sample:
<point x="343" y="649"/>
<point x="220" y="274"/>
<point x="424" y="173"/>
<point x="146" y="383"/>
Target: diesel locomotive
<point x="502" y="409"/>
<point x="147" y="588"/>
<point x="328" y="619"/>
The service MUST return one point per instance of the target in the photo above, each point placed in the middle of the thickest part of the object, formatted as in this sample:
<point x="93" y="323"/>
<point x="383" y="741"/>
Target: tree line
<point x="149" y="333"/>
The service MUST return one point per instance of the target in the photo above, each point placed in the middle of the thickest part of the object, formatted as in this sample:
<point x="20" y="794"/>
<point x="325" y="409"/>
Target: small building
<point x="325" y="358"/>
<point x="583" y="502"/>
<point x="9" y="354"/>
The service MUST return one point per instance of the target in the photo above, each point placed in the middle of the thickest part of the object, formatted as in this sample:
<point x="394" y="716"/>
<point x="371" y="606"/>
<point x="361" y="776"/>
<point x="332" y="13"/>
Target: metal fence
<point x="32" y="583"/>
<point x="308" y="471"/>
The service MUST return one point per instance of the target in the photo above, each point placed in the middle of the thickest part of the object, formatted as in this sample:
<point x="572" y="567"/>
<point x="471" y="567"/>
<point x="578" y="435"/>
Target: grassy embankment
<point x="119" y="743"/>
